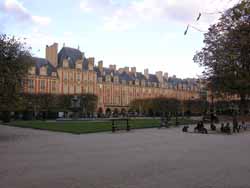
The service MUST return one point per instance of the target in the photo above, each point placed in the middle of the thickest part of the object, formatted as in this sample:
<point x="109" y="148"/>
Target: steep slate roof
<point x="153" y="78"/>
<point x="125" y="76"/>
<point x="71" y="54"/>
<point x="140" y="76"/>
<point x="41" y="62"/>
<point x="175" y="81"/>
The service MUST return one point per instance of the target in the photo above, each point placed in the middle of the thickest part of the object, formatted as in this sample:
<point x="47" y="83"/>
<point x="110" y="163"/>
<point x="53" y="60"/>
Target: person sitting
<point x="222" y="128"/>
<point x="244" y="126"/>
<point x="197" y="128"/>
<point x="213" y="127"/>
<point x="200" y="128"/>
<point x="227" y="129"/>
<point x="185" y="128"/>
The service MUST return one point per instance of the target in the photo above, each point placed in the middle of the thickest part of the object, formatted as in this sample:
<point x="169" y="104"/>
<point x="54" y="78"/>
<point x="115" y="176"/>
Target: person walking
<point x="235" y="125"/>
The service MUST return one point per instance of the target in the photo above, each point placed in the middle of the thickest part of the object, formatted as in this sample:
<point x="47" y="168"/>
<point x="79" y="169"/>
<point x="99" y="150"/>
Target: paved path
<point x="149" y="158"/>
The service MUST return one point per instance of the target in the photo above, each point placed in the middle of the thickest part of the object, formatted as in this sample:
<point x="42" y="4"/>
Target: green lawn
<point x="81" y="127"/>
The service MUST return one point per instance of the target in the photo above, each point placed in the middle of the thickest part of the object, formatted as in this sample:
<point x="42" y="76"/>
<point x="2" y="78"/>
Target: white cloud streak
<point x="15" y="9"/>
<point x="138" y="11"/>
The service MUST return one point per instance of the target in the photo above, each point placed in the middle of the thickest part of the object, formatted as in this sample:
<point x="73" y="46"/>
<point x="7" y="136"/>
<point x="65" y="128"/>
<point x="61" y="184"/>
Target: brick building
<point x="70" y="72"/>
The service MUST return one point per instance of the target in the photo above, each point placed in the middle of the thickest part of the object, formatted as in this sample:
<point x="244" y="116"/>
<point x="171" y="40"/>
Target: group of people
<point x="225" y="128"/>
<point x="200" y="128"/>
<point x="236" y="127"/>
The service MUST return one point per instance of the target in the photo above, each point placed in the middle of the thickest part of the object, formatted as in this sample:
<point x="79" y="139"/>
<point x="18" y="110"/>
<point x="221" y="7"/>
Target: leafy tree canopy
<point x="226" y="54"/>
<point x="15" y="61"/>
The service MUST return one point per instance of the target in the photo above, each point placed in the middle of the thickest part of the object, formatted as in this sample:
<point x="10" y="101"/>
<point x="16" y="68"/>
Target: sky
<point x="142" y="33"/>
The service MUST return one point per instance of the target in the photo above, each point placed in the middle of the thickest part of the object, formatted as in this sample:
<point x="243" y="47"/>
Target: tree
<point x="88" y="103"/>
<point x="15" y="61"/>
<point x="198" y="107"/>
<point x="158" y="106"/>
<point x="226" y="54"/>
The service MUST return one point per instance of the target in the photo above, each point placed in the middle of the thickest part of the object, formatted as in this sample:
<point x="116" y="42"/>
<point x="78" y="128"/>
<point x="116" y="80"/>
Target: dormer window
<point x="79" y="64"/>
<point x="32" y="70"/>
<point x="53" y="74"/>
<point x="43" y="71"/>
<point x="108" y="78"/>
<point x="137" y="82"/>
<point x="65" y="63"/>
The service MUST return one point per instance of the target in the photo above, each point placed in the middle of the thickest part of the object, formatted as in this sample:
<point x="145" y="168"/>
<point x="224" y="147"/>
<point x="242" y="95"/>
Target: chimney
<point x="166" y="75"/>
<point x="159" y="76"/>
<point x="126" y="69"/>
<point x="51" y="54"/>
<point x="112" y="67"/>
<point x="133" y="70"/>
<point x="146" y="73"/>
<point x="91" y="61"/>
<point x="100" y="66"/>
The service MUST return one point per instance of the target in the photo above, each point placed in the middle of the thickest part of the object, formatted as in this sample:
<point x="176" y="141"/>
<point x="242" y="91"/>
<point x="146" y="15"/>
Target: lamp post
<point x="75" y="105"/>
<point x="212" y="111"/>
<point x="84" y="106"/>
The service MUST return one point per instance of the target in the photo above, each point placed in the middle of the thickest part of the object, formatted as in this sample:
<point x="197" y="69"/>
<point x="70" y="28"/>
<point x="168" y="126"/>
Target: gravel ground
<point x="149" y="158"/>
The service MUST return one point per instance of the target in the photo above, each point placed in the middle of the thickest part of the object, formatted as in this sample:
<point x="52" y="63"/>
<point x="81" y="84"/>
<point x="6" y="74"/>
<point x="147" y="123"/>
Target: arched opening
<point x="123" y="112"/>
<point x="116" y="112"/>
<point x="100" y="112"/>
<point x="108" y="112"/>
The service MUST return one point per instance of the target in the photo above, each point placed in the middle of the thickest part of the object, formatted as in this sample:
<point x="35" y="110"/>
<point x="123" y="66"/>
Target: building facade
<point x="70" y="72"/>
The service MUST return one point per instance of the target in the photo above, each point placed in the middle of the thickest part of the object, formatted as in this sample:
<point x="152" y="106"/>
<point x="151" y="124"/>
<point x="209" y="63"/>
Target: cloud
<point x="126" y="16"/>
<point x="16" y="10"/>
<point x="85" y="6"/>
<point x="97" y="5"/>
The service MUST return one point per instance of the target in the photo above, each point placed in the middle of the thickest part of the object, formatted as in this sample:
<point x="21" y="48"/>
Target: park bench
<point x="117" y="125"/>
<point x="164" y="122"/>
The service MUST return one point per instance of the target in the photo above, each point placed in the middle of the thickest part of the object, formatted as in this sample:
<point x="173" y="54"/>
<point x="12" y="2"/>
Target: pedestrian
<point x="222" y="128"/>
<point x="235" y="125"/>
<point x="227" y="128"/>
<point x="244" y="126"/>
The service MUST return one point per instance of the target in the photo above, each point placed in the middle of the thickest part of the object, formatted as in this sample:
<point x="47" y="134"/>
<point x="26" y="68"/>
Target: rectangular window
<point x="71" y="76"/>
<point x="65" y="76"/>
<point x="78" y="77"/>
<point x="53" y="86"/>
<point x="31" y="84"/>
<point x="42" y="85"/>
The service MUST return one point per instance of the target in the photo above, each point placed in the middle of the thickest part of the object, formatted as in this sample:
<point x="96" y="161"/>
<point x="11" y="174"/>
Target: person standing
<point x="235" y="125"/>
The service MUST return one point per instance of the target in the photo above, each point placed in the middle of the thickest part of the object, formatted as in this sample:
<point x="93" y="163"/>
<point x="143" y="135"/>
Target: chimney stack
<point x="126" y="69"/>
<point x="51" y="54"/>
<point x="146" y="73"/>
<point x="166" y="75"/>
<point x="100" y="65"/>
<point x="133" y="70"/>
<point x="91" y="62"/>
<point x="159" y="76"/>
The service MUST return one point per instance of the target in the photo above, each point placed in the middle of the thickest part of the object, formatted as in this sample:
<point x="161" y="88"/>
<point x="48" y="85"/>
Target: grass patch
<point x="83" y="127"/>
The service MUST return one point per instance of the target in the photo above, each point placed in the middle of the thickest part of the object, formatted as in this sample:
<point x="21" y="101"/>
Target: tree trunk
<point x="6" y="116"/>
<point x="243" y="106"/>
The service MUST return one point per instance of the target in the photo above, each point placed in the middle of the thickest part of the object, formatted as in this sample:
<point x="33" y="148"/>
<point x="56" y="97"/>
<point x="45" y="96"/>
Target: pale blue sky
<point x="141" y="33"/>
